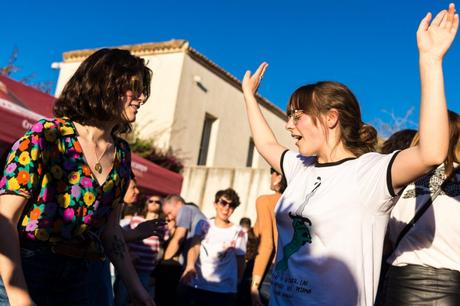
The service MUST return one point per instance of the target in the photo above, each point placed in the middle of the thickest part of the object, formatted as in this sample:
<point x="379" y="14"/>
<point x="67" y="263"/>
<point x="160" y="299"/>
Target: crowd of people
<point x="346" y="224"/>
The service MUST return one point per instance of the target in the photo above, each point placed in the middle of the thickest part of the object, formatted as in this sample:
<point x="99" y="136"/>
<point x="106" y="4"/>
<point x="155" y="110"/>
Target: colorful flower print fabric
<point x="47" y="166"/>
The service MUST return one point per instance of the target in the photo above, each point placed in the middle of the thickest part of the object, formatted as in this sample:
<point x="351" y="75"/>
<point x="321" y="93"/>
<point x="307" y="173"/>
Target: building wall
<point x="155" y="118"/>
<point x="215" y="96"/>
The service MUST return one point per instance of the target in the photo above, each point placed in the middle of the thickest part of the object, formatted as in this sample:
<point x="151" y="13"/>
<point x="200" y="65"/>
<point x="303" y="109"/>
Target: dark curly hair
<point x="319" y="98"/>
<point x="229" y="194"/>
<point x="94" y="92"/>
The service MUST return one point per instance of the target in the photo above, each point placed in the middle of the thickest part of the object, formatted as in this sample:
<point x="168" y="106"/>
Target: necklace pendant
<point x="98" y="168"/>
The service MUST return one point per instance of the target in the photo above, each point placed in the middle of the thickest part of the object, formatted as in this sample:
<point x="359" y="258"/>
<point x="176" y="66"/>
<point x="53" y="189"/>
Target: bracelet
<point x="255" y="284"/>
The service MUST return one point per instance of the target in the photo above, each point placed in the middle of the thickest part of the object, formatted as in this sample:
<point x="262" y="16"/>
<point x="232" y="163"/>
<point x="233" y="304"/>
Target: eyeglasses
<point x="224" y="203"/>
<point x="295" y="114"/>
<point x="154" y="201"/>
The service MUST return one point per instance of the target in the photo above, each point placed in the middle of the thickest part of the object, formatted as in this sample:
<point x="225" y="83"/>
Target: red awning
<point x="155" y="178"/>
<point x="13" y="124"/>
<point x="26" y="96"/>
<point x="21" y="106"/>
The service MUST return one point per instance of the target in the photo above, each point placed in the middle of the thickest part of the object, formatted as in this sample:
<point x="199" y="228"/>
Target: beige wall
<point x="224" y="102"/>
<point x="66" y="71"/>
<point x="155" y="118"/>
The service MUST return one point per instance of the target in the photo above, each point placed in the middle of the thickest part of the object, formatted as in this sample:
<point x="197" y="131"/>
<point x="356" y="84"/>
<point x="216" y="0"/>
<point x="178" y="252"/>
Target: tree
<point x="10" y="68"/>
<point x="395" y="123"/>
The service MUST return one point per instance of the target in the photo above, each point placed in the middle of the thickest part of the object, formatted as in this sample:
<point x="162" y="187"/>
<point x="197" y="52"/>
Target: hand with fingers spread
<point x="251" y="82"/>
<point x="434" y="38"/>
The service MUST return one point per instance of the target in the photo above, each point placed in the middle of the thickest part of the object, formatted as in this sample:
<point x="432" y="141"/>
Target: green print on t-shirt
<point x="301" y="235"/>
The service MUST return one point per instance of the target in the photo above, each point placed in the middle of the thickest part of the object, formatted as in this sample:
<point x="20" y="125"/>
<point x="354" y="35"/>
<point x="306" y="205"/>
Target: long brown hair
<point x="453" y="154"/>
<point x="93" y="94"/>
<point x="319" y="98"/>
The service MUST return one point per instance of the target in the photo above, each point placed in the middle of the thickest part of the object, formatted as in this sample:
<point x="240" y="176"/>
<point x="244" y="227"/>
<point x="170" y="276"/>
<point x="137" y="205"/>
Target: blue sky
<point x="367" y="45"/>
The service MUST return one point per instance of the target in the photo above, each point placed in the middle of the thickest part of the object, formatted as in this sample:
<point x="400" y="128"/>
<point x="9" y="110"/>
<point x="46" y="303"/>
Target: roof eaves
<point x="171" y="46"/>
<point x="200" y="58"/>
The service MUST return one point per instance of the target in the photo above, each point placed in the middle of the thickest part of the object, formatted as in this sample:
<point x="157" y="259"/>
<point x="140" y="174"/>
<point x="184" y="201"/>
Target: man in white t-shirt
<point x="215" y="260"/>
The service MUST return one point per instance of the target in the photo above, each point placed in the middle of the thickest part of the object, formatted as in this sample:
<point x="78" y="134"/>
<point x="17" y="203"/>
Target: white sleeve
<point x="374" y="178"/>
<point x="241" y="242"/>
<point x="292" y="161"/>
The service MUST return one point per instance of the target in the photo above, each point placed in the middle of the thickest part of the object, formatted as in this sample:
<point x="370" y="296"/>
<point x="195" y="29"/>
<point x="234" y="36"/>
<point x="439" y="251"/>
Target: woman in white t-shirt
<point x="215" y="261"/>
<point x="332" y="217"/>
<point x="425" y="265"/>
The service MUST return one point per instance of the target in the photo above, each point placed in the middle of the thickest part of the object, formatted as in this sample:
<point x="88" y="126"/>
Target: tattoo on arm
<point x="118" y="247"/>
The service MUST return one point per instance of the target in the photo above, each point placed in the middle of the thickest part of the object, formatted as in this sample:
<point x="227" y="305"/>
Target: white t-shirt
<point x="331" y="222"/>
<point x="434" y="239"/>
<point x="217" y="268"/>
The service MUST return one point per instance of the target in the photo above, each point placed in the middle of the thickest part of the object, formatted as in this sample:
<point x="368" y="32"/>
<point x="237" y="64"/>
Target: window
<point x="205" y="139"/>
<point x="250" y="158"/>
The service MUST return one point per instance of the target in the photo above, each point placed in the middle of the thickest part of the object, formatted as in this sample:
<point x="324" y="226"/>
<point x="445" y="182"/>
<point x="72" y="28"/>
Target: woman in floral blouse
<point x="62" y="186"/>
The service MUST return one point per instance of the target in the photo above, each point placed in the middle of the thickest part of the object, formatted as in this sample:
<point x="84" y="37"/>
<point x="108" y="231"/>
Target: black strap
<point x="420" y="212"/>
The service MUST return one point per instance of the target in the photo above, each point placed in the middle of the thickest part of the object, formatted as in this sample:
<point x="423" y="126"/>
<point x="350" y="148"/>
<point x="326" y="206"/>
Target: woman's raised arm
<point x="264" y="139"/>
<point x="433" y="40"/>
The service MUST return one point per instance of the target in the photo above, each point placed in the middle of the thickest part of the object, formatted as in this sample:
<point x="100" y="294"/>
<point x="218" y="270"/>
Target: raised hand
<point x="435" y="38"/>
<point x="251" y="82"/>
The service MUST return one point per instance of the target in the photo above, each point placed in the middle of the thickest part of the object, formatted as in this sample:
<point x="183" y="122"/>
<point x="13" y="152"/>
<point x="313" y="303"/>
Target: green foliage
<point x="148" y="150"/>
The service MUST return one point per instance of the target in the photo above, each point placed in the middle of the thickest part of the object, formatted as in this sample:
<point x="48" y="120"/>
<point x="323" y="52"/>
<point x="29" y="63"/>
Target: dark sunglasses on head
<point x="154" y="201"/>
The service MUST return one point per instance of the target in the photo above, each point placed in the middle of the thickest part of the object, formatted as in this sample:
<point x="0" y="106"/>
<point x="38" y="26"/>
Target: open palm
<point x="436" y="37"/>
<point x="251" y="82"/>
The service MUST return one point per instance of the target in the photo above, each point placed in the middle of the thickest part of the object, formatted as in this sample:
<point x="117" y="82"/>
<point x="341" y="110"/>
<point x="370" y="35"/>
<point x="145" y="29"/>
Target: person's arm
<point x="265" y="250"/>
<point x="264" y="139"/>
<point x="192" y="256"/>
<point x="117" y="251"/>
<point x="174" y="244"/>
<point x="266" y="245"/>
<point x="433" y="41"/>
<point x="11" y="272"/>
<point x="144" y="230"/>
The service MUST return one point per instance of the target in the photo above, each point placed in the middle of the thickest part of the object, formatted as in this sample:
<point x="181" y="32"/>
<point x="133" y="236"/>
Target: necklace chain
<point x="98" y="166"/>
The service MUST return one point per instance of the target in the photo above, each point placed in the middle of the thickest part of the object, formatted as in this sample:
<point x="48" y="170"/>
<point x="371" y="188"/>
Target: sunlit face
<point x="153" y="204"/>
<point x="170" y="210"/>
<point x="224" y="208"/>
<point x="131" y="105"/>
<point x="131" y="193"/>
<point x="309" y="137"/>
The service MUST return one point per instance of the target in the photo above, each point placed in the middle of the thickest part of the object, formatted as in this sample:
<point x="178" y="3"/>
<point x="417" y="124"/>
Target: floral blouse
<point x="47" y="166"/>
